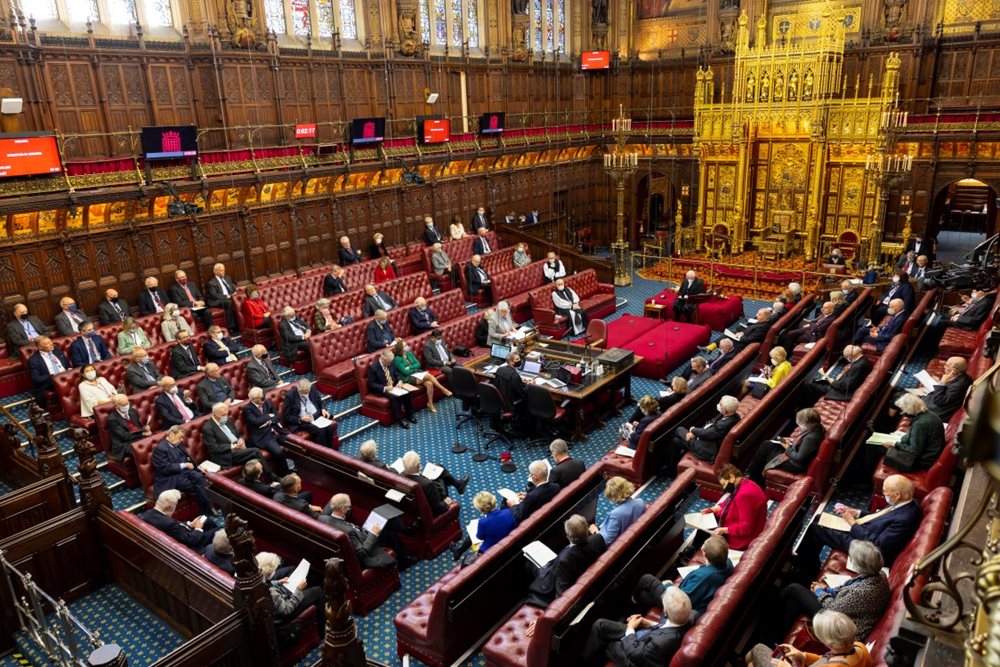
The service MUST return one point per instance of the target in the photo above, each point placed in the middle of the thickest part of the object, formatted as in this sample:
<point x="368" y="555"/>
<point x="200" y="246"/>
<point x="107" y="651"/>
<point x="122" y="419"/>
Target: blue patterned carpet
<point x="121" y="619"/>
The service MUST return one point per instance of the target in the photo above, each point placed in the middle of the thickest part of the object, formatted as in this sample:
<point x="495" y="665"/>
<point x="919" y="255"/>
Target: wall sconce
<point x="904" y="200"/>
<point x="685" y="190"/>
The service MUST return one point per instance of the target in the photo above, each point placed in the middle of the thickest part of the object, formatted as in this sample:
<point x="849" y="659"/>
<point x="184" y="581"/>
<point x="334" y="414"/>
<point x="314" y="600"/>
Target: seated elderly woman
<point x="289" y="604"/>
<point x="835" y="630"/>
<point x="862" y="597"/>
<point x="770" y="376"/>
<point x="625" y="512"/>
<point x="496" y="522"/>
<point x="678" y="390"/>
<point x="385" y="271"/>
<point x="743" y="512"/>
<point x="521" y="256"/>
<point x="632" y="431"/>
<point x="919" y="447"/>
<point x="323" y="319"/>
<point x="173" y="322"/>
<point x="256" y="313"/>
<point x="791" y="454"/>
<point x="409" y="371"/>
<point x="94" y="390"/>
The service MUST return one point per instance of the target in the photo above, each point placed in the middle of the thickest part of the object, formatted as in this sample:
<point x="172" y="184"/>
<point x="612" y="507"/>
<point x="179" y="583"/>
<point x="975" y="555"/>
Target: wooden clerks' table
<point x="589" y="402"/>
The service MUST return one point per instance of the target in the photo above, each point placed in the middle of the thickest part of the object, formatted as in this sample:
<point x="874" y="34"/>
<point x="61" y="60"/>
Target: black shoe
<point x="412" y="419"/>
<point x="461" y="484"/>
<point x="403" y="424"/>
<point x="667" y="382"/>
<point x="457" y="550"/>
<point x="406" y="562"/>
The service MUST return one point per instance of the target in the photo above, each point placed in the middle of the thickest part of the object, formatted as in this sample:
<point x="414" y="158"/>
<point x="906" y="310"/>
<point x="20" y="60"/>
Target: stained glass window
<point x="324" y="12"/>
<point x="440" y="23"/>
<point x="80" y="11"/>
<point x="44" y="9"/>
<point x="301" y="21"/>
<point x="473" y="9"/>
<point x="547" y="29"/>
<point x="449" y="23"/>
<point x="549" y="21"/>
<point x="122" y="12"/>
<point x="348" y="20"/>
<point x="157" y="13"/>
<point x="456" y="23"/>
<point x="425" y="23"/>
<point x="538" y="24"/>
<point x="562" y="26"/>
<point x="274" y="16"/>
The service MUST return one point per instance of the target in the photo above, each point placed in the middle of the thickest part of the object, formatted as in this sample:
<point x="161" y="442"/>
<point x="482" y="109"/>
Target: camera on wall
<point x="178" y="207"/>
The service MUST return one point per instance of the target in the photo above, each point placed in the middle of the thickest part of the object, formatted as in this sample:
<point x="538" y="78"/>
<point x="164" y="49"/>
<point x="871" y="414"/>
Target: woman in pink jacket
<point x="742" y="514"/>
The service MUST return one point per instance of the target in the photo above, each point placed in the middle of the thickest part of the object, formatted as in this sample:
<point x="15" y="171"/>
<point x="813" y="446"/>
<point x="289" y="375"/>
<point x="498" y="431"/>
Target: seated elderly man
<point x="477" y="279"/>
<point x="640" y="641"/>
<point x="220" y="552"/>
<point x="889" y="529"/>
<point x="292" y="496"/>
<point x="223" y="443"/>
<point x="726" y="353"/>
<point x="195" y="534"/>
<point x="948" y="394"/>
<point x="141" y="373"/>
<point x="294" y="334"/>
<point x="369" y="545"/>
<point x="704" y="441"/>
<point x="561" y="572"/>
<point x="542" y="492"/>
<point x="422" y="317"/>
<point x="303" y="411"/>
<point x="435" y="490"/>
<point x="700" y="584"/>
<point x="880" y="335"/>
<point x="567" y="303"/>
<point x="755" y="332"/>
<point x="376" y="300"/>
<point x="173" y="406"/>
<point x="46" y="362"/>
<point x="173" y="468"/>
<point x="383" y="378"/>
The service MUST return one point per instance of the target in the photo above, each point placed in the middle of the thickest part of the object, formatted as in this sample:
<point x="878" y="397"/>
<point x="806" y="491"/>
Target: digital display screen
<point x="305" y="131"/>
<point x="28" y="155"/>
<point x="367" y="130"/>
<point x="164" y="142"/>
<point x="435" y="130"/>
<point x="491" y="123"/>
<point x="595" y="60"/>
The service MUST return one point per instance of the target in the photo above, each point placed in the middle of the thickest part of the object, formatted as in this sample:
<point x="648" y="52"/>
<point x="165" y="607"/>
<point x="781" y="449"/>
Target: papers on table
<point x="881" y="439"/>
<point x="381" y="516"/>
<point x="395" y="495"/>
<point x="925" y="378"/>
<point x="432" y="471"/>
<point x="834" y="522"/>
<point x="622" y="450"/>
<point x="836" y="580"/>
<point x="538" y="553"/>
<point x="473" y="529"/>
<point x="298" y="576"/>
<point x="686" y="570"/>
<point x="490" y="369"/>
<point x="209" y="466"/>
<point x="509" y="496"/>
<point x="321" y="422"/>
<point x="700" y="521"/>
<point x="520" y="334"/>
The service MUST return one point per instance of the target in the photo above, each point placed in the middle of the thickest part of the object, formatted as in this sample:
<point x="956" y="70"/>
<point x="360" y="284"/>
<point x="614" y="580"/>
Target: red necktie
<point x="188" y="292"/>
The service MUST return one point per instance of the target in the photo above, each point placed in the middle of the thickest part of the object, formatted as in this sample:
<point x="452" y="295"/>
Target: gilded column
<point x="816" y="187"/>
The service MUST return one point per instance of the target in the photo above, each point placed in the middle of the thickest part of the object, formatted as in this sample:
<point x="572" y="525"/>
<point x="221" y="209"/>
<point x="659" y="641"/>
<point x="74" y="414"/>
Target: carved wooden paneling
<point x="173" y="97"/>
<point x="328" y="98"/>
<point x="73" y="91"/>
<point x="296" y="103"/>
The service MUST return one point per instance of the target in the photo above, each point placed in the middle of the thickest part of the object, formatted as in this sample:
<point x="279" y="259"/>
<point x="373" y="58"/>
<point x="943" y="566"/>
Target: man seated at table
<point x="195" y="534"/>
<point x="303" y="408"/>
<point x="691" y="286"/>
<point x="436" y="491"/>
<point x="173" y="468"/>
<point x="511" y="388"/>
<point x="383" y="378"/>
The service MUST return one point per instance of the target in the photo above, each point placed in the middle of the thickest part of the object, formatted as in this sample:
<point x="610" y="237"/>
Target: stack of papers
<point x="432" y="471"/>
<point x="700" y="521"/>
<point x="209" y="466"/>
<point x="538" y="553"/>
<point x="885" y="438"/>
<point x="321" y="422"/>
<point x="834" y="522"/>
<point x="298" y="576"/>
<point x="925" y="378"/>
<point x="381" y="516"/>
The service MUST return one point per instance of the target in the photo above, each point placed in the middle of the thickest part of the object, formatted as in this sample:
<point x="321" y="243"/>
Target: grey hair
<point x="268" y="562"/>
<point x="558" y="446"/>
<point x="167" y="501"/>
<point x="866" y="556"/>
<point x="576" y="529"/>
<point x="911" y="405"/>
<point x="676" y="605"/>
<point x="729" y="404"/>
<point x="368" y="449"/>
<point x="255" y="392"/>
<point x="411" y="460"/>
<point x="220" y="542"/>
<point x="835" y="629"/>
<point x="503" y="305"/>
<point x="538" y="469"/>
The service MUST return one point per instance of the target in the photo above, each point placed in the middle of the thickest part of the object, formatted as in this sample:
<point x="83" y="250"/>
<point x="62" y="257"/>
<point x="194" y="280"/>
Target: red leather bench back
<point x="788" y="320"/>
<point x="332" y="347"/>
<point x="518" y="281"/>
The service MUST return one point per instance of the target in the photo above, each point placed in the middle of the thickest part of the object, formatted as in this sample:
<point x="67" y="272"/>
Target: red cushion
<point x="666" y="347"/>
<point x="627" y="328"/>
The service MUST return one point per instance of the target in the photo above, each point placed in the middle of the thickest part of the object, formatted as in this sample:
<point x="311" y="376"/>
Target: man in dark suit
<point x="152" y="299"/>
<point x="541" y="492"/>
<point x="889" y="529"/>
<point x="253" y="473"/>
<point x="47" y="361"/>
<point x="113" y="309"/>
<point x="948" y="394"/>
<point x="223" y="444"/>
<point x="836" y="258"/>
<point x="562" y="571"/>
<point x="187" y="295"/>
<point x="292" y="496"/>
<point x="333" y="282"/>
<point x="422" y="317"/>
<point x="196" y="534"/>
<point x="511" y="386"/>
<point x="850" y="294"/>
<point x="481" y="244"/>
<point x="24" y="329"/>
<point x="921" y="246"/>
<point x="124" y="427"/>
<point x="971" y="314"/>
<point x="704" y="442"/>
<point x="303" y="408"/>
<point x="264" y="431"/>
<point x="184" y="359"/>
<point x="142" y="373"/>
<point x="346" y="255"/>
<point x="173" y="407"/>
<point x="89" y="347"/>
<point x="220" y="552"/>
<point x="567" y="469"/>
<point x="880" y="336"/>
<point x="368" y="545"/>
<point x="378" y="333"/>
<point x="840" y="387"/>
<point x="640" y="642"/>
<point x="437" y="354"/>
<point x="220" y="290"/>
<point x="436" y="490"/>
<point x="70" y="318"/>
<point x="260" y="371"/>
<point x="214" y="388"/>
<point x="294" y="334"/>
<point x="479" y="220"/>
<point x="900" y="289"/>
<point x="812" y="332"/>
<point x="219" y="348"/>
<point x="477" y="279"/>
<point x="431" y="234"/>
<point x="376" y="300"/>
<point x="382" y="378"/>
<point x="173" y="468"/>
<point x="692" y="285"/>
<point x="726" y="353"/>
<point x="756" y="332"/>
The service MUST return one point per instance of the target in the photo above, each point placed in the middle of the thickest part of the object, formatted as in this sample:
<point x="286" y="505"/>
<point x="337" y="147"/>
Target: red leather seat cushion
<point x="627" y="328"/>
<point x="666" y="347"/>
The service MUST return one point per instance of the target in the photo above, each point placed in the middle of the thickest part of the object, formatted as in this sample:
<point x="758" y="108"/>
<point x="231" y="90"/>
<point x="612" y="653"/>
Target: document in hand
<point x="321" y="422"/>
<point x="419" y="376"/>
<point x="834" y="522"/>
<point x="432" y="471"/>
<point x="757" y="378"/>
<point x="509" y="496"/>
<point x="925" y="378"/>
<point x="381" y="516"/>
<point x="885" y="438"/>
<point x="473" y="529"/>
<point x="298" y="576"/>
<point x="397" y="465"/>
<point x="538" y="553"/>
<point x="209" y="466"/>
<point x="686" y="570"/>
<point x="700" y="521"/>
<point x="399" y="391"/>
<point x="836" y="580"/>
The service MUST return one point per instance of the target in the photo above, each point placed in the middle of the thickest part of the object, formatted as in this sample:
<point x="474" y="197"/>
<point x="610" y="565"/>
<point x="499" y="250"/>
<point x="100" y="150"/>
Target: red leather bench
<point x="596" y="299"/>
<point x="514" y="288"/>
<point x="666" y="347"/>
<point x="377" y="406"/>
<point x="695" y="408"/>
<point x="14" y="378"/>
<point x="840" y="331"/>
<point x="788" y="320"/>
<point x="962" y="343"/>
<point x="717" y="313"/>
<point x="331" y="355"/>
<point x="643" y="547"/>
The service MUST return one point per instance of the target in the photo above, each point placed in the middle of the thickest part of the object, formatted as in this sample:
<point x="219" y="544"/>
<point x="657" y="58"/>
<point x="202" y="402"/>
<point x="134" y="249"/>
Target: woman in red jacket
<point x="384" y="271"/>
<point x="256" y="314"/>
<point x="742" y="515"/>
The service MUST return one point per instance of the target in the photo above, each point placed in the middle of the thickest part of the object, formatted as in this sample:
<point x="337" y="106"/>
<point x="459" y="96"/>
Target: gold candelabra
<point x="621" y="165"/>
<point x="887" y="169"/>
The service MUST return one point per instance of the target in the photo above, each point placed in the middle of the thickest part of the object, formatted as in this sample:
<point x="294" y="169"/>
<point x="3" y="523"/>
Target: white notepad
<point x="700" y="521"/>
<point x="538" y="553"/>
<point x="298" y="576"/>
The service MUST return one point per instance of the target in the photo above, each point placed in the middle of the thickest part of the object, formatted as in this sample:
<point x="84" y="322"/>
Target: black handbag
<point x="900" y="459"/>
<point x="460" y="351"/>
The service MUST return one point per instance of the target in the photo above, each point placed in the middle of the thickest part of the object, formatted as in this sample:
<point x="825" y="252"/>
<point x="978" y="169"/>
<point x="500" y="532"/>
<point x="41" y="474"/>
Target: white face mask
<point x="895" y="280"/>
<point x="217" y="336"/>
<point x="90" y="375"/>
<point x="172" y="390"/>
<point x="718" y="408"/>
<point x="845" y="292"/>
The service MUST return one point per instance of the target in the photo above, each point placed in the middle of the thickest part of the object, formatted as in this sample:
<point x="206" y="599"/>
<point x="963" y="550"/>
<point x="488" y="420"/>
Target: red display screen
<point x="595" y="60"/>
<point x="436" y="130"/>
<point x="305" y="131"/>
<point x="28" y="155"/>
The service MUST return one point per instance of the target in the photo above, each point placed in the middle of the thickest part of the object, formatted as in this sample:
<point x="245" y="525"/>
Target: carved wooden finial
<point x="251" y="591"/>
<point x="341" y="645"/>
<point x="93" y="490"/>
<point x="244" y="548"/>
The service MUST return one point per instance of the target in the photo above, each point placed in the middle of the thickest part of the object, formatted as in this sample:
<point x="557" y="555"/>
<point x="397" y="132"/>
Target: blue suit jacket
<point x="891" y="531"/>
<point x="494" y="527"/>
<point x="376" y="377"/>
<point x="887" y="332"/>
<point x="167" y="460"/>
<point x="169" y="414"/>
<point x="78" y="350"/>
<point x="378" y="337"/>
<point x="620" y="518"/>
<point x="39" y="372"/>
<point x="292" y="407"/>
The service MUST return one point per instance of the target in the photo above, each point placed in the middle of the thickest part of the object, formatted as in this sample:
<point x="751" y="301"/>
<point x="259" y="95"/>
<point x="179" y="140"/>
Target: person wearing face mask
<point x="214" y="388"/>
<point x="131" y="335"/>
<point x="431" y="234"/>
<point x="442" y="264"/>
<point x="220" y="290"/>
<point x="703" y="442"/>
<point x="369" y="546"/>
<point x="113" y="309"/>
<point x="847" y="289"/>
<point x="741" y="514"/>
<point x="521" y="256"/>
<point x="88" y="348"/>
<point x="836" y="258"/>
<point x="256" y="314"/>
<point x="421" y="316"/>
<point x="881" y="335"/>
<point x="142" y="373"/>
<point x="218" y="349"/>
<point x="479" y="221"/>
<point x="173" y="406"/>
<point x="187" y="295"/>
<point x="456" y="230"/>
<point x="970" y="314"/>
<point x="770" y="377"/>
<point x="304" y="408"/>
<point x="173" y="468"/>
<point x="407" y="364"/>
<point x="124" y="427"/>
<point x="323" y="318"/>
<point x="260" y="371"/>
<point x="94" y="390"/>
<point x="919" y="447"/>
<point x="794" y="453"/>
<point x="224" y="445"/>
<point x="899" y="289"/>
<point x="152" y="299"/>
<point x="70" y="318"/>
<point x="23" y="329"/>
<point x="184" y="359"/>
<point x="46" y="362"/>
<point x="173" y="323"/>
<point x="264" y="430"/>
<point x="377" y="249"/>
